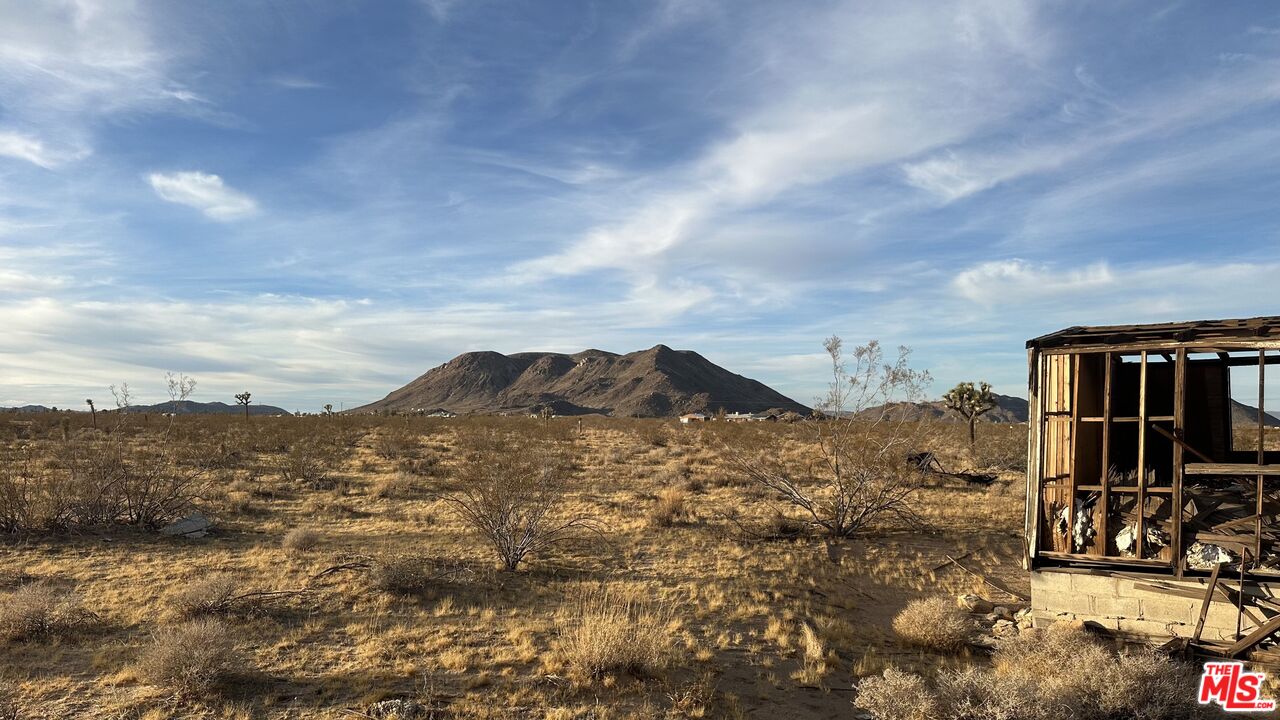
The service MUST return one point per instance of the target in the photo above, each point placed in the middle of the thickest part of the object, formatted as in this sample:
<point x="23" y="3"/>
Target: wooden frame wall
<point x="1055" y="420"/>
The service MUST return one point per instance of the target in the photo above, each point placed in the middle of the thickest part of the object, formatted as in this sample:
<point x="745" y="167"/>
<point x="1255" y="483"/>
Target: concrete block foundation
<point x="1125" y="603"/>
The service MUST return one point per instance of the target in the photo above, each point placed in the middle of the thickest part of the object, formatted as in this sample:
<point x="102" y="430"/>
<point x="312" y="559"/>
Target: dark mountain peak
<point x="657" y="382"/>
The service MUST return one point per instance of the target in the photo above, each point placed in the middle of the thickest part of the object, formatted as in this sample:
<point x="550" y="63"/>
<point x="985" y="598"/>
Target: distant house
<point x="739" y="417"/>
<point x="693" y="417"/>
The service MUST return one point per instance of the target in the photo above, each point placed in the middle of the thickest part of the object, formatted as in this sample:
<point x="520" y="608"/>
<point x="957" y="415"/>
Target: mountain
<point x="1243" y="416"/>
<point x="191" y="407"/>
<point x="658" y="382"/>
<point x="1008" y="409"/>
<point x="27" y="409"/>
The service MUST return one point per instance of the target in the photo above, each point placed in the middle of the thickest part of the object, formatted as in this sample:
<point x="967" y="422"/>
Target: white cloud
<point x="1012" y="282"/>
<point x="33" y="150"/>
<point x="205" y="192"/>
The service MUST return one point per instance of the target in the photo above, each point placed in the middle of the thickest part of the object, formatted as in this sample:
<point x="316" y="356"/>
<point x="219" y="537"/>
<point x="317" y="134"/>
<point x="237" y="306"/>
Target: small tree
<point x="328" y="409"/>
<point x="180" y="388"/>
<point x="92" y="411"/>
<point x="970" y="402"/>
<point x="243" y="399"/>
<point x="858" y="470"/>
<point x="514" y="496"/>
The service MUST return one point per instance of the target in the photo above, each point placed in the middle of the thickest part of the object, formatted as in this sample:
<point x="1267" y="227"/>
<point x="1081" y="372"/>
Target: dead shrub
<point x="309" y="462"/>
<point x="514" y="494"/>
<point x="933" y="623"/>
<point x="855" y="470"/>
<point x="897" y="695"/>
<point x="670" y="508"/>
<point x="38" y="612"/>
<point x="609" y="631"/>
<point x="211" y="595"/>
<point x="190" y="659"/>
<point x="393" y="486"/>
<point x="1066" y="675"/>
<point x="300" y="540"/>
<point x="413" y="574"/>
<point x="9" y="709"/>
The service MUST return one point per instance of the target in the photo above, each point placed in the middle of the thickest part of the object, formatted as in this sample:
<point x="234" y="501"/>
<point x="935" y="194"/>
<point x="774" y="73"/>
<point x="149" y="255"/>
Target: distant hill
<point x="191" y="407"/>
<point x="27" y="409"/>
<point x="1247" y="416"/>
<point x="1008" y="409"/>
<point x="658" y="382"/>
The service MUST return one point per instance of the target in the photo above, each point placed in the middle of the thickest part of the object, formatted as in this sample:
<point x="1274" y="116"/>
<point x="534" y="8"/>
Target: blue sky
<point x="319" y="201"/>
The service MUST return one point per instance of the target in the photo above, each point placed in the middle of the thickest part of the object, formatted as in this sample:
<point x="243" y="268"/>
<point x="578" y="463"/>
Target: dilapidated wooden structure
<point x="1144" y="476"/>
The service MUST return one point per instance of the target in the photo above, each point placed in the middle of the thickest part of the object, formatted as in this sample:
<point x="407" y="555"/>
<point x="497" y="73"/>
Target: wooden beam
<point x="1204" y="605"/>
<point x="1106" y="456"/>
<point x="1074" y="362"/>
<point x="1139" y="545"/>
<point x="1231" y="469"/>
<point x="1179" y="429"/>
<point x="1181" y="444"/>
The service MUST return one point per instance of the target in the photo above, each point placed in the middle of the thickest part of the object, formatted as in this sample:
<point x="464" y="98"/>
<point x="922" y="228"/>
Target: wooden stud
<point x="1208" y="600"/>
<point x="1179" y="431"/>
<point x="1074" y="362"/>
<point x="1140" y="540"/>
<point x="1106" y="454"/>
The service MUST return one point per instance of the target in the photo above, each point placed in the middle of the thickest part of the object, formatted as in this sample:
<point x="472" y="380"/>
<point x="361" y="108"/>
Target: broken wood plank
<point x="1181" y="443"/>
<point x="1231" y="469"/>
<point x="998" y="586"/>
<point x="1248" y="641"/>
<point x="1208" y="600"/>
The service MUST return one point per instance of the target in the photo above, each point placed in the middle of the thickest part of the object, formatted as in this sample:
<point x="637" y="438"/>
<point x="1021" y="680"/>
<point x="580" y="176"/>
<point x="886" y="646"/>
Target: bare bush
<point x="309" y="462"/>
<point x="897" y="695"/>
<point x="933" y="623"/>
<point x="190" y="659"/>
<point x="514" y="494"/>
<point x="38" y="612"/>
<point x="610" y="631"/>
<point x="300" y="540"/>
<point x="858" y="471"/>
<point x="210" y="595"/>
<point x="1064" y="674"/>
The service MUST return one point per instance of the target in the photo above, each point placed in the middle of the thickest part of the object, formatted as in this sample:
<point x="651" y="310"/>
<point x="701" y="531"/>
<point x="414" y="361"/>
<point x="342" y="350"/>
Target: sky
<point x="318" y="202"/>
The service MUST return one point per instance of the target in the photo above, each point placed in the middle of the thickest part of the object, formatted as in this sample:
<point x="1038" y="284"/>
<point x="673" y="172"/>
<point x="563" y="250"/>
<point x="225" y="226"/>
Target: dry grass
<point x="611" y="631"/>
<point x="744" y="627"/>
<point x="190" y="659"/>
<point x="933" y="623"/>
<point x="210" y="595"/>
<point x="670" y="507"/>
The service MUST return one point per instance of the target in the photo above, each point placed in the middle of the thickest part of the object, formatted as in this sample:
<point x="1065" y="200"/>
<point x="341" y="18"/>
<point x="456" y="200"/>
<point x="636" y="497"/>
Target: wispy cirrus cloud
<point x="21" y="146"/>
<point x="204" y="192"/>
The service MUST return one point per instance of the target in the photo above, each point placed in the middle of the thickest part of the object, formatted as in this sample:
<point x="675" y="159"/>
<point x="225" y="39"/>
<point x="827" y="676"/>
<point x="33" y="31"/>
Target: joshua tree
<point x="970" y="401"/>
<point x="243" y="399"/>
<point x="328" y="409"/>
<point x="92" y="411"/>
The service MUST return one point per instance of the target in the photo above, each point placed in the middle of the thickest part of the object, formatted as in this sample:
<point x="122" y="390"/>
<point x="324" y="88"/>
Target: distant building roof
<point x="1206" y="332"/>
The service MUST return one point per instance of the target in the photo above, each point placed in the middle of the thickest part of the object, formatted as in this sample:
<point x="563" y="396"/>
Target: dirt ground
<point x="482" y="643"/>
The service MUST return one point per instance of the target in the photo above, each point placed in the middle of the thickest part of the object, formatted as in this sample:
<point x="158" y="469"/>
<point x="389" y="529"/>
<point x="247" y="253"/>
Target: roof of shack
<point x="1198" y="332"/>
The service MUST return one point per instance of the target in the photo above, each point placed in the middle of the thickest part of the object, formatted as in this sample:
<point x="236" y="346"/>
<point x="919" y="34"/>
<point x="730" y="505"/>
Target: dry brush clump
<point x="299" y="540"/>
<point x="211" y="595"/>
<point x="670" y="507"/>
<point x="608" y="630"/>
<point x="38" y="612"/>
<point x="514" y="493"/>
<point x="933" y="623"/>
<point x="191" y="658"/>
<point x="1064" y="674"/>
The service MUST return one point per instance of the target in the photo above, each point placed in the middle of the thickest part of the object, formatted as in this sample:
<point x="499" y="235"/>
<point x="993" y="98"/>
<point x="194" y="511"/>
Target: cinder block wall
<point x="1118" y="603"/>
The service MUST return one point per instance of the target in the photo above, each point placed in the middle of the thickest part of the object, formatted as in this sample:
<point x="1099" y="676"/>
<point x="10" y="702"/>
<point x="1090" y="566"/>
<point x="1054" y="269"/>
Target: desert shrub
<point x="191" y="658"/>
<point x="20" y="494"/>
<point x="393" y="486"/>
<point x="855" y="471"/>
<point x="413" y="574"/>
<point x="897" y="695"/>
<point x="210" y="595"/>
<point x="669" y="508"/>
<point x="1064" y="674"/>
<point x="38" y="611"/>
<point x="609" y="631"/>
<point x="392" y="444"/>
<point x="300" y="540"/>
<point x="9" y="709"/>
<point x="933" y="623"/>
<point x="1001" y="448"/>
<point x="309" y="462"/>
<point x="513" y="494"/>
